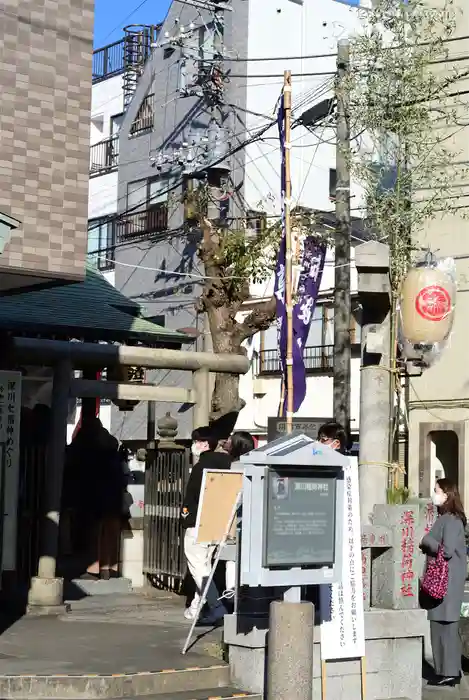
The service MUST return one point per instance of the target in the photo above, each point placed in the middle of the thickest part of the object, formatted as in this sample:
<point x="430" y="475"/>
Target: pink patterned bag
<point x="435" y="578"/>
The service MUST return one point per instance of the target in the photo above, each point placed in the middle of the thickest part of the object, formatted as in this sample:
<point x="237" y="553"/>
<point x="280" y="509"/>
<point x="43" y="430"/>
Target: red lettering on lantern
<point x="433" y="303"/>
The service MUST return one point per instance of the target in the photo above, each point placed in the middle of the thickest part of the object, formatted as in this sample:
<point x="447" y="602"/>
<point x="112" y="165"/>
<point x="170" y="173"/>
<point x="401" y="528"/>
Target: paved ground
<point x="120" y="634"/>
<point x="461" y="693"/>
<point x="102" y="635"/>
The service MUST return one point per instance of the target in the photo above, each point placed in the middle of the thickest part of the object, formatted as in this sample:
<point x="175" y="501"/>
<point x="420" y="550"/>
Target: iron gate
<point x="166" y="476"/>
<point x="31" y="486"/>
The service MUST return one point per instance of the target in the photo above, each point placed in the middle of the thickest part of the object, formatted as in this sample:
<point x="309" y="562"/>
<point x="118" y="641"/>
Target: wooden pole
<point x="288" y="248"/>
<point x="323" y="680"/>
<point x="342" y="311"/>
<point x="363" y="677"/>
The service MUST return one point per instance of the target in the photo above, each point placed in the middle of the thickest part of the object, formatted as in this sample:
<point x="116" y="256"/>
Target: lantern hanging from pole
<point x="427" y="301"/>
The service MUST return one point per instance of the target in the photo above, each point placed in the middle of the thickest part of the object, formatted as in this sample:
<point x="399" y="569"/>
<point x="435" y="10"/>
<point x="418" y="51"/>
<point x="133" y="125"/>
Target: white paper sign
<point x="341" y="604"/>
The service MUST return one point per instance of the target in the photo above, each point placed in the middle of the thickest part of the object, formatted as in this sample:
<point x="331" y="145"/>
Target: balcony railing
<point x="104" y="156"/>
<point x="108" y="61"/>
<point x="143" y="223"/>
<point x="317" y="358"/>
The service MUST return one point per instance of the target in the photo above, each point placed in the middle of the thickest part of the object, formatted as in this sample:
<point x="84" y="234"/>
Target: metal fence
<point x="143" y="122"/>
<point x="31" y="486"/>
<point x="108" y="61"/>
<point x="104" y="156"/>
<point x="166" y="476"/>
<point x="317" y="358"/>
<point x="142" y="223"/>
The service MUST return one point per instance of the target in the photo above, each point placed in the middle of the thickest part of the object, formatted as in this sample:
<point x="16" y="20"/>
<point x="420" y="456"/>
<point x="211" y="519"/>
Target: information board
<point x="300" y="518"/>
<point x="277" y="427"/>
<point x="341" y="604"/>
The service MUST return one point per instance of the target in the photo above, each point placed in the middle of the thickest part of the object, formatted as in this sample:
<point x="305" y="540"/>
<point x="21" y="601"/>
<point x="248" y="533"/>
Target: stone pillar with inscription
<point x="395" y="571"/>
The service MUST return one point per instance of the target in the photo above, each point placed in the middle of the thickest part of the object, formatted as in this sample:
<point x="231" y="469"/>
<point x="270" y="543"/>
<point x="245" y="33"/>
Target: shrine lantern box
<point x="292" y="513"/>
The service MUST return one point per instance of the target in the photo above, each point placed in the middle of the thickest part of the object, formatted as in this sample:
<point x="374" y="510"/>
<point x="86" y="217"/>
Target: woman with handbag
<point x="444" y="580"/>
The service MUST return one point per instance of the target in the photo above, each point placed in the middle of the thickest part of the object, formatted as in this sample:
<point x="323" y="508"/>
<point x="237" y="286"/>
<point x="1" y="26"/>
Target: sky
<point x="111" y="16"/>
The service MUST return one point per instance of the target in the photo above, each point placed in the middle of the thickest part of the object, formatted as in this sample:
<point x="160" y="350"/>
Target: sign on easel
<point x="218" y="495"/>
<point x="341" y="604"/>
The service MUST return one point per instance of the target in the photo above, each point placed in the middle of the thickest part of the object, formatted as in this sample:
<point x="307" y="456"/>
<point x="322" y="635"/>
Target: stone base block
<point x="46" y="593"/>
<point x="132" y="558"/>
<point x="114" y="586"/>
<point x="393" y="658"/>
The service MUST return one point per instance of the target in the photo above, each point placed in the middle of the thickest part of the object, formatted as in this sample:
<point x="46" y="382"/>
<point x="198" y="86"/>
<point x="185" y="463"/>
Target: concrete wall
<point x="45" y="73"/>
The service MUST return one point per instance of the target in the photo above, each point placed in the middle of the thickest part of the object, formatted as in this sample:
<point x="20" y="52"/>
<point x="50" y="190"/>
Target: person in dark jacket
<point x="96" y="488"/>
<point x="199" y="556"/>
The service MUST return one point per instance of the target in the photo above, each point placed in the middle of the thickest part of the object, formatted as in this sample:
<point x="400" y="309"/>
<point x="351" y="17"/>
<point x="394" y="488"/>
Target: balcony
<point x="142" y="224"/>
<point x="318" y="359"/>
<point x="104" y="156"/>
<point x="108" y="61"/>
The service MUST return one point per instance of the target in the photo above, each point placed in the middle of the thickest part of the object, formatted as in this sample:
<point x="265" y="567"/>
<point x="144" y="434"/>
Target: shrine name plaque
<point x="300" y="518"/>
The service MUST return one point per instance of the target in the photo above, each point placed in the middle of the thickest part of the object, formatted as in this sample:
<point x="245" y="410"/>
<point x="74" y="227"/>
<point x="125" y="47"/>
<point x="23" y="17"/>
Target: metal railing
<point x="317" y="358"/>
<point x="108" y="61"/>
<point x="33" y="458"/>
<point x="143" y="122"/>
<point x="142" y="223"/>
<point x="166" y="476"/>
<point x="104" y="156"/>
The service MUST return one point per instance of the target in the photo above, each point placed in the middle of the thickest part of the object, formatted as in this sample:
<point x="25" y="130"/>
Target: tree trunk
<point x="225" y="339"/>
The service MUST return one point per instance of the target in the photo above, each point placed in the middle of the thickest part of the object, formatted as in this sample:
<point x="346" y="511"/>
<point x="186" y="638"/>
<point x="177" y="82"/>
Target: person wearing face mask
<point x="447" y="533"/>
<point x="334" y="436"/>
<point x="199" y="556"/>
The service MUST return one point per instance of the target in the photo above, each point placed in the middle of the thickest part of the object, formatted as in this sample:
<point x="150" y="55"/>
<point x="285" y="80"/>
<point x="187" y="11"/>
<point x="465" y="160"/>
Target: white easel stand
<point x="203" y="596"/>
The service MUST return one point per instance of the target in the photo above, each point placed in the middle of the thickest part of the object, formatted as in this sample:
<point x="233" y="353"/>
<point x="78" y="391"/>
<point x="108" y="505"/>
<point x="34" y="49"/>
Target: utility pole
<point x="342" y="311"/>
<point x="288" y="248"/>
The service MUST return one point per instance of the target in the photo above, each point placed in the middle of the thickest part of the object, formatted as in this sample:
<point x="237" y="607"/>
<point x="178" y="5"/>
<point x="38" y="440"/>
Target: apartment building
<point x="182" y="123"/>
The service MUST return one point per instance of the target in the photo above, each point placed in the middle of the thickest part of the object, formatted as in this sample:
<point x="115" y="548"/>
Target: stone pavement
<point x="122" y="637"/>
<point x="461" y="693"/>
<point x="106" y="635"/>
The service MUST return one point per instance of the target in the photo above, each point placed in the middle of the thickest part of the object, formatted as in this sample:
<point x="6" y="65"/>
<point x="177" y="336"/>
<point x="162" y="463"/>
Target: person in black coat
<point x="199" y="556"/>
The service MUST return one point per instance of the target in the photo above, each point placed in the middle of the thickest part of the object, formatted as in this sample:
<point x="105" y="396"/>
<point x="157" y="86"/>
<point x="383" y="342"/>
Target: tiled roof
<point x="92" y="309"/>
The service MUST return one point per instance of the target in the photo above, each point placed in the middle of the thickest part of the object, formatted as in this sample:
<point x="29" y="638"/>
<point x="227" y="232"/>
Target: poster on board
<point x="341" y="604"/>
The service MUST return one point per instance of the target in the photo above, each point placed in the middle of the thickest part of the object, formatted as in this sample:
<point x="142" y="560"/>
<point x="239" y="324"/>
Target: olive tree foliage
<point x="405" y="114"/>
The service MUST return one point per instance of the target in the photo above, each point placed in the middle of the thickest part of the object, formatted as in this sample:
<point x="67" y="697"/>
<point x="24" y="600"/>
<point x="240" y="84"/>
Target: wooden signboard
<point x="218" y="497"/>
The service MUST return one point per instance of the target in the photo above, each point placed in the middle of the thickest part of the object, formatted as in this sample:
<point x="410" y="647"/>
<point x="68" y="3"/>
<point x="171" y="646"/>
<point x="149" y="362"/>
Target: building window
<point x="147" y="208"/>
<point x="143" y="122"/>
<point x="116" y="123"/>
<point x="256" y="221"/>
<point x="102" y="242"/>
<point x="332" y="184"/>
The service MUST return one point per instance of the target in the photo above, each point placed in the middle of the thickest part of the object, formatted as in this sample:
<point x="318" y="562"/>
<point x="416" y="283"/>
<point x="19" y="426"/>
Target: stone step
<point x="208" y="694"/>
<point x="91" y="588"/>
<point x="91" y="687"/>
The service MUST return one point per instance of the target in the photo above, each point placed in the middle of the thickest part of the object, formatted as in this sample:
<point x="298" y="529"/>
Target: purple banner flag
<point x="309" y="283"/>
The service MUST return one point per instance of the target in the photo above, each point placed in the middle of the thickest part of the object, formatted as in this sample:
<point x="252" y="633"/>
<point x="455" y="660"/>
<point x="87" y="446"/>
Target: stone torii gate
<point x="46" y="591"/>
